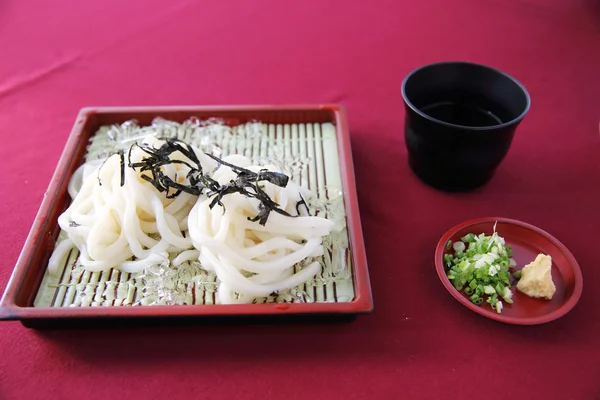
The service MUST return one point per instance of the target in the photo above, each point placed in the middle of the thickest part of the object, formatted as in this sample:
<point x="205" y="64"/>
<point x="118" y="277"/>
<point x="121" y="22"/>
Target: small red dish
<point x="527" y="241"/>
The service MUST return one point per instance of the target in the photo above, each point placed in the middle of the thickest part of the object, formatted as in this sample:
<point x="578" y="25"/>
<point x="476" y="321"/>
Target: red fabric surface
<point x="419" y="343"/>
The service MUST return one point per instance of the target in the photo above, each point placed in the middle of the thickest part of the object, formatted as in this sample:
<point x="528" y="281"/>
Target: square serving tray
<point x="21" y="300"/>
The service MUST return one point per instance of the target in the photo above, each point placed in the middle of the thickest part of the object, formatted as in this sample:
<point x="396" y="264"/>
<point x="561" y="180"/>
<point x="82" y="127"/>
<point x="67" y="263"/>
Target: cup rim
<point x="474" y="128"/>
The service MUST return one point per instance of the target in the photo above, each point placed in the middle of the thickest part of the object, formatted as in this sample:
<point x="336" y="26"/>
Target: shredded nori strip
<point x="302" y="202"/>
<point x="122" y="156"/>
<point x="246" y="183"/>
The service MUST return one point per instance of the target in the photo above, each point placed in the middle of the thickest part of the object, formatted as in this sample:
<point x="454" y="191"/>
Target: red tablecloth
<point x="419" y="343"/>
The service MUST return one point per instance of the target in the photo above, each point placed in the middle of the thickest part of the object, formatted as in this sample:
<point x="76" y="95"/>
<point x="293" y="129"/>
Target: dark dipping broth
<point x="461" y="114"/>
<point x="464" y="109"/>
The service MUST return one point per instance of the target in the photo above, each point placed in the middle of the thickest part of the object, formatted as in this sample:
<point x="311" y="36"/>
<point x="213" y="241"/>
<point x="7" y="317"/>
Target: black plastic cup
<point x="460" y="122"/>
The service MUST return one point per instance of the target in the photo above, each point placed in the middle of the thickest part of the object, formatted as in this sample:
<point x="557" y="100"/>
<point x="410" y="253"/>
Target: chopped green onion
<point x="448" y="260"/>
<point x="480" y="265"/>
<point x="468" y="238"/>
<point x="458" y="247"/>
<point x="504" y="277"/>
<point x="517" y="274"/>
<point x="507" y="295"/>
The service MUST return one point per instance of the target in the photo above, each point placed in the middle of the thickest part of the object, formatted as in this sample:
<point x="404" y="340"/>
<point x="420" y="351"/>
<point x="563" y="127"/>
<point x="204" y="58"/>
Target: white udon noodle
<point x="250" y="259"/>
<point x="111" y="224"/>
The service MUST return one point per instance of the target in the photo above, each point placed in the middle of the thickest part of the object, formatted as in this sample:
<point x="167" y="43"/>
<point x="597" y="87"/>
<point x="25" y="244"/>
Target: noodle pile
<point x="251" y="259"/>
<point x="120" y="218"/>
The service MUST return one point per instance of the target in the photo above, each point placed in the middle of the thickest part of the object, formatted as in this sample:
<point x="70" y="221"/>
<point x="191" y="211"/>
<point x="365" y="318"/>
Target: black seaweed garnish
<point x="160" y="157"/>
<point x="122" y="156"/>
<point x="300" y="203"/>
<point x="246" y="182"/>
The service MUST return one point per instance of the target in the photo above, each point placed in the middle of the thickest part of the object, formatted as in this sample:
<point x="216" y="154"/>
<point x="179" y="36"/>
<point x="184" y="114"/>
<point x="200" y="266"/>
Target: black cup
<point x="460" y="122"/>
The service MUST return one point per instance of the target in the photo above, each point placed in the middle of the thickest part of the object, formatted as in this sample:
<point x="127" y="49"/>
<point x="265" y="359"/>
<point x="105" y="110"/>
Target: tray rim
<point x="361" y="304"/>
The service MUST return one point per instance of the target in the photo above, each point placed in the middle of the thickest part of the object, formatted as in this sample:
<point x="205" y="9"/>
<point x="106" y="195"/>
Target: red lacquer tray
<point x="527" y="241"/>
<point x="17" y="302"/>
